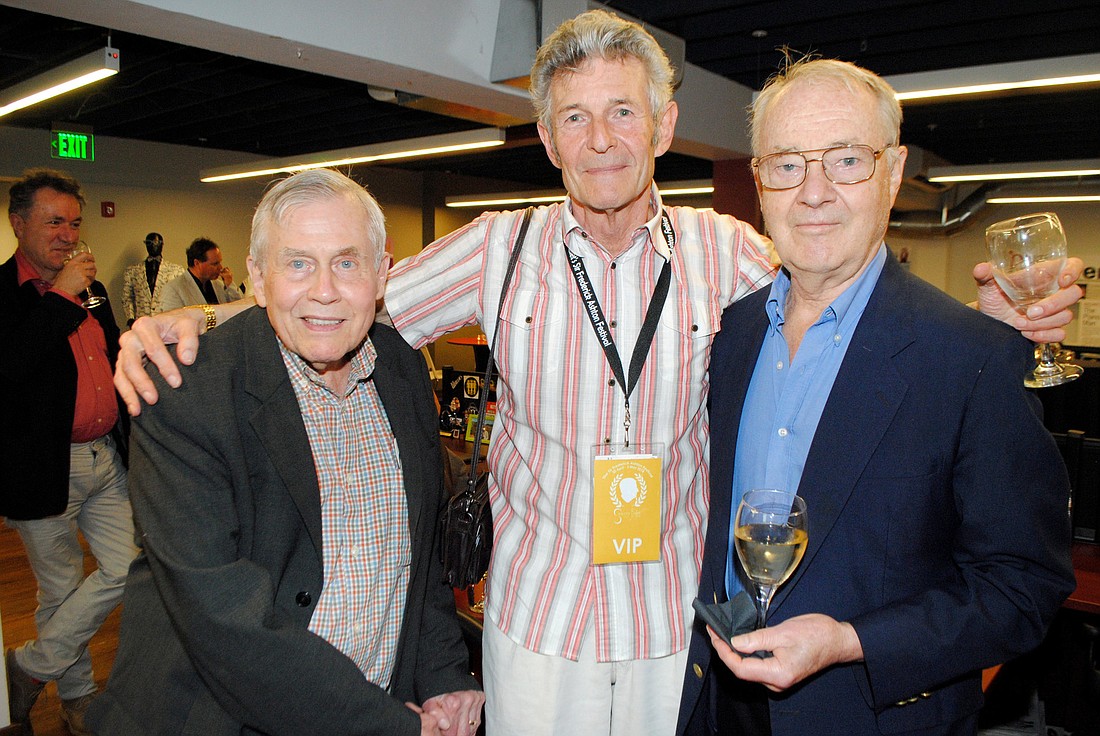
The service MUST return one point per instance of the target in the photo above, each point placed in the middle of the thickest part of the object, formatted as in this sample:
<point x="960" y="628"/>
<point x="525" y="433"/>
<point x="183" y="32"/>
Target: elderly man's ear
<point x="257" y="282"/>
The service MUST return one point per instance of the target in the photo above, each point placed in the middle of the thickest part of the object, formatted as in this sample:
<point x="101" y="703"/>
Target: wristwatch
<point x="211" y="316"/>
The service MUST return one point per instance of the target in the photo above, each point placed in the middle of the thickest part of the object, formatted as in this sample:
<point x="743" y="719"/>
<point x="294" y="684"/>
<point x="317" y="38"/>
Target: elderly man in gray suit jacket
<point x="290" y="581"/>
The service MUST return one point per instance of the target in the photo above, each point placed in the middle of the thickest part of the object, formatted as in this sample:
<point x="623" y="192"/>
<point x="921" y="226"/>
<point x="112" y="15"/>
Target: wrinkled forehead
<point x="812" y="113"/>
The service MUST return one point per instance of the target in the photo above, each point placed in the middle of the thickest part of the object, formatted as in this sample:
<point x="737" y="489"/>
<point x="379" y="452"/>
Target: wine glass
<point x="1028" y="254"/>
<point x="770" y="535"/>
<point x="92" y="300"/>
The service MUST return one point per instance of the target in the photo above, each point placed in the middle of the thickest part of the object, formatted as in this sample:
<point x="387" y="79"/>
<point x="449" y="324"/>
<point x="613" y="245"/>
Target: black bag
<point x="467" y="531"/>
<point x="466" y="526"/>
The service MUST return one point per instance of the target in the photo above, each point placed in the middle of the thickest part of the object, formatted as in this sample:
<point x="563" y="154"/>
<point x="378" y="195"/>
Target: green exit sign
<point x="73" y="146"/>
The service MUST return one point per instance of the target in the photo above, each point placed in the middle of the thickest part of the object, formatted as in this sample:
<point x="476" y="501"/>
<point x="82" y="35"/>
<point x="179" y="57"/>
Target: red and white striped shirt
<point x="555" y="403"/>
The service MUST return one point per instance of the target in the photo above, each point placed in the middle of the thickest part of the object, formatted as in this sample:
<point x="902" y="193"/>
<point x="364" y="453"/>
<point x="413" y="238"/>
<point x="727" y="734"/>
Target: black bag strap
<point x="475" y="458"/>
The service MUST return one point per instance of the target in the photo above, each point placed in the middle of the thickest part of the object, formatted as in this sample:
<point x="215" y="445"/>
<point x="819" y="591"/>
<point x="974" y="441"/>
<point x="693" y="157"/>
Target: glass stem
<point x="763" y="600"/>
<point x="1048" y="366"/>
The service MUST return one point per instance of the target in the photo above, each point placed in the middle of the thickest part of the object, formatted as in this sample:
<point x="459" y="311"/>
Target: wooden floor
<point x="17" y="604"/>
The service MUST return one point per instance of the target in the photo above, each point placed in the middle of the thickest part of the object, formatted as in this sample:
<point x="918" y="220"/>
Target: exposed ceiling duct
<point x="950" y="218"/>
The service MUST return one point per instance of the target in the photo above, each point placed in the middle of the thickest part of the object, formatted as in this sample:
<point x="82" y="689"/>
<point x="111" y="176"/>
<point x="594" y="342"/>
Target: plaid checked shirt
<point x="556" y="401"/>
<point x="364" y="517"/>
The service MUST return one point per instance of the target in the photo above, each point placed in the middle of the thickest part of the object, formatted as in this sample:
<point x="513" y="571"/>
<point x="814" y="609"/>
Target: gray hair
<point x="598" y="33"/>
<point x="312" y="187"/>
<point x="817" y="71"/>
<point x="22" y="193"/>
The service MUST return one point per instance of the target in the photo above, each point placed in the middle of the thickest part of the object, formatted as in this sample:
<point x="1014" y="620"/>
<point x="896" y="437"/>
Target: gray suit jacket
<point x="182" y="291"/>
<point x="226" y="500"/>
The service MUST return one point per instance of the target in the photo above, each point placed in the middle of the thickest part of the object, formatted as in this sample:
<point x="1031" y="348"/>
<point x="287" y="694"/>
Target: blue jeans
<point x="71" y="608"/>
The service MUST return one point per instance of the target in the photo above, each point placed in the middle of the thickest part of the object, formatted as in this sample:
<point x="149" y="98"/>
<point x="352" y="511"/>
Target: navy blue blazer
<point x="937" y="515"/>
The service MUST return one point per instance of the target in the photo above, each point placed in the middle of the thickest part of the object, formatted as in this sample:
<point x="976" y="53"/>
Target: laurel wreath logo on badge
<point x="628" y="493"/>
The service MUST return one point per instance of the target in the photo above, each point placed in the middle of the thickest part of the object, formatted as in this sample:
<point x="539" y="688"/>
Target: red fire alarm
<point x="107" y="209"/>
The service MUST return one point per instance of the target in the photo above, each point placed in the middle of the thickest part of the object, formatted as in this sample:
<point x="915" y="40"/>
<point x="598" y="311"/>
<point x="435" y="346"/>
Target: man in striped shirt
<point x="572" y="646"/>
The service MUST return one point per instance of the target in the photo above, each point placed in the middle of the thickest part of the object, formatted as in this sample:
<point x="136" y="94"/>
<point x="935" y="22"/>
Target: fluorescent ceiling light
<point x="974" y="89"/>
<point x="508" y="199"/>
<point x="409" y="148"/>
<point x="1026" y="170"/>
<point x="1045" y="200"/>
<point x="1080" y="69"/>
<point x="77" y="73"/>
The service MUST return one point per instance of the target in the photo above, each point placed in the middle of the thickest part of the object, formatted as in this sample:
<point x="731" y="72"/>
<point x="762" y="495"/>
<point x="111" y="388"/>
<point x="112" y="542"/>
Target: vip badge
<point x="626" y="509"/>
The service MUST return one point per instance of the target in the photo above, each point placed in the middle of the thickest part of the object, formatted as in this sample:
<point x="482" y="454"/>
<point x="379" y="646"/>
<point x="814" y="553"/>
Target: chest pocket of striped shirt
<point x="695" y="319"/>
<point x="532" y="328"/>
<point x="689" y="330"/>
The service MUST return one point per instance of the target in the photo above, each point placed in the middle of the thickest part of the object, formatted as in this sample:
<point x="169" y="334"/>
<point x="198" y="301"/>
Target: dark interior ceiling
<point x="171" y="93"/>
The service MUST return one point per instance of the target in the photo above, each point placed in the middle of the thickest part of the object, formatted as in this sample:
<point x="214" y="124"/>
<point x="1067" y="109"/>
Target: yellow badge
<point x="626" y="513"/>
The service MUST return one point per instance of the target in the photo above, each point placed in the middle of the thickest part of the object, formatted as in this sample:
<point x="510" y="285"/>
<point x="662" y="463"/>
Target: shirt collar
<point x="304" y="376"/>
<point x="856" y="293"/>
<point x="573" y="234"/>
<point x="25" y="270"/>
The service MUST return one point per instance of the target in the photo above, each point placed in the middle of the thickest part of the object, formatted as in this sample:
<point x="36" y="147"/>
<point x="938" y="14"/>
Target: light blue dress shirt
<point x="785" y="398"/>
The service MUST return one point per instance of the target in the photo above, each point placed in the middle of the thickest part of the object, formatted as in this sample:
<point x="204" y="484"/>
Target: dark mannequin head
<point x="154" y="244"/>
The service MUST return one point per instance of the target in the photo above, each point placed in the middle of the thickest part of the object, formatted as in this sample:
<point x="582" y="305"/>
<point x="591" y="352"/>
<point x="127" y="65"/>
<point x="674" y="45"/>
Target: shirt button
<point x="614" y="323"/>
<point x="782" y="432"/>
<point x="695" y="328"/>
<point x="611" y="382"/>
<point x="528" y="320"/>
<point x="613" y="265"/>
<point x="779" y="365"/>
<point x="836" y="339"/>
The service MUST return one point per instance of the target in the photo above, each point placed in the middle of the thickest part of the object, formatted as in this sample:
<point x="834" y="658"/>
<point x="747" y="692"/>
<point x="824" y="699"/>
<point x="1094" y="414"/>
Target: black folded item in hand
<point x="728" y="619"/>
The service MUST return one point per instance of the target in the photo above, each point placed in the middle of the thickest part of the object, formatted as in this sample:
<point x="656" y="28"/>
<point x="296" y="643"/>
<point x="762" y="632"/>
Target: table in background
<point x="1086" y="566"/>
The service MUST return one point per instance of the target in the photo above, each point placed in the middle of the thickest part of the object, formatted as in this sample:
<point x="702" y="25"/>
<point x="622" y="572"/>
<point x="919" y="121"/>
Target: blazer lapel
<point x="277" y="420"/>
<point x="731" y="369"/>
<point x="864" y="399"/>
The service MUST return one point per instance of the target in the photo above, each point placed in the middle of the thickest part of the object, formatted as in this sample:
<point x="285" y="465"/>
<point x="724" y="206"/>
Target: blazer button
<point x="303" y="599"/>
<point x="698" y="671"/>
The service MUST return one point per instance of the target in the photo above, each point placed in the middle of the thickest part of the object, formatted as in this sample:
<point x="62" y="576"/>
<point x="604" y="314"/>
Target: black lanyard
<point x="649" y="326"/>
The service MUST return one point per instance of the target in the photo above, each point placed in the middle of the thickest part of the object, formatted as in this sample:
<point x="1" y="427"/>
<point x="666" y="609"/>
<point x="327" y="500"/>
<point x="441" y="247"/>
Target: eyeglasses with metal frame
<point x="849" y="164"/>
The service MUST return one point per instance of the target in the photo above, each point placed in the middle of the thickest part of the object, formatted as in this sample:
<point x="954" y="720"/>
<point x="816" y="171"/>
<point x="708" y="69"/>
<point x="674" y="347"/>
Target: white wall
<point x="155" y="187"/>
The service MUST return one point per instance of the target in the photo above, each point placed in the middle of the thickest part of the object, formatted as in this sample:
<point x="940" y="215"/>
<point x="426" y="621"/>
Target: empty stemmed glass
<point x="770" y="535"/>
<point x="1028" y="254"/>
<point x="92" y="300"/>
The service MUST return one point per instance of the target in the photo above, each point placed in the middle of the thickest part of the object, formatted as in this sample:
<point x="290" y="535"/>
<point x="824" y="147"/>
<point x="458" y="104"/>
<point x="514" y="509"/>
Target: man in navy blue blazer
<point x="938" y="529"/>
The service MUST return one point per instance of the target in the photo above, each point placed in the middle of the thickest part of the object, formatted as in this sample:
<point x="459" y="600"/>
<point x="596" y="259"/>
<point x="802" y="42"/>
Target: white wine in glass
<point x="1028" y="254"/>
<point x="770" y="534"/>
<point x="92" y="301"/>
